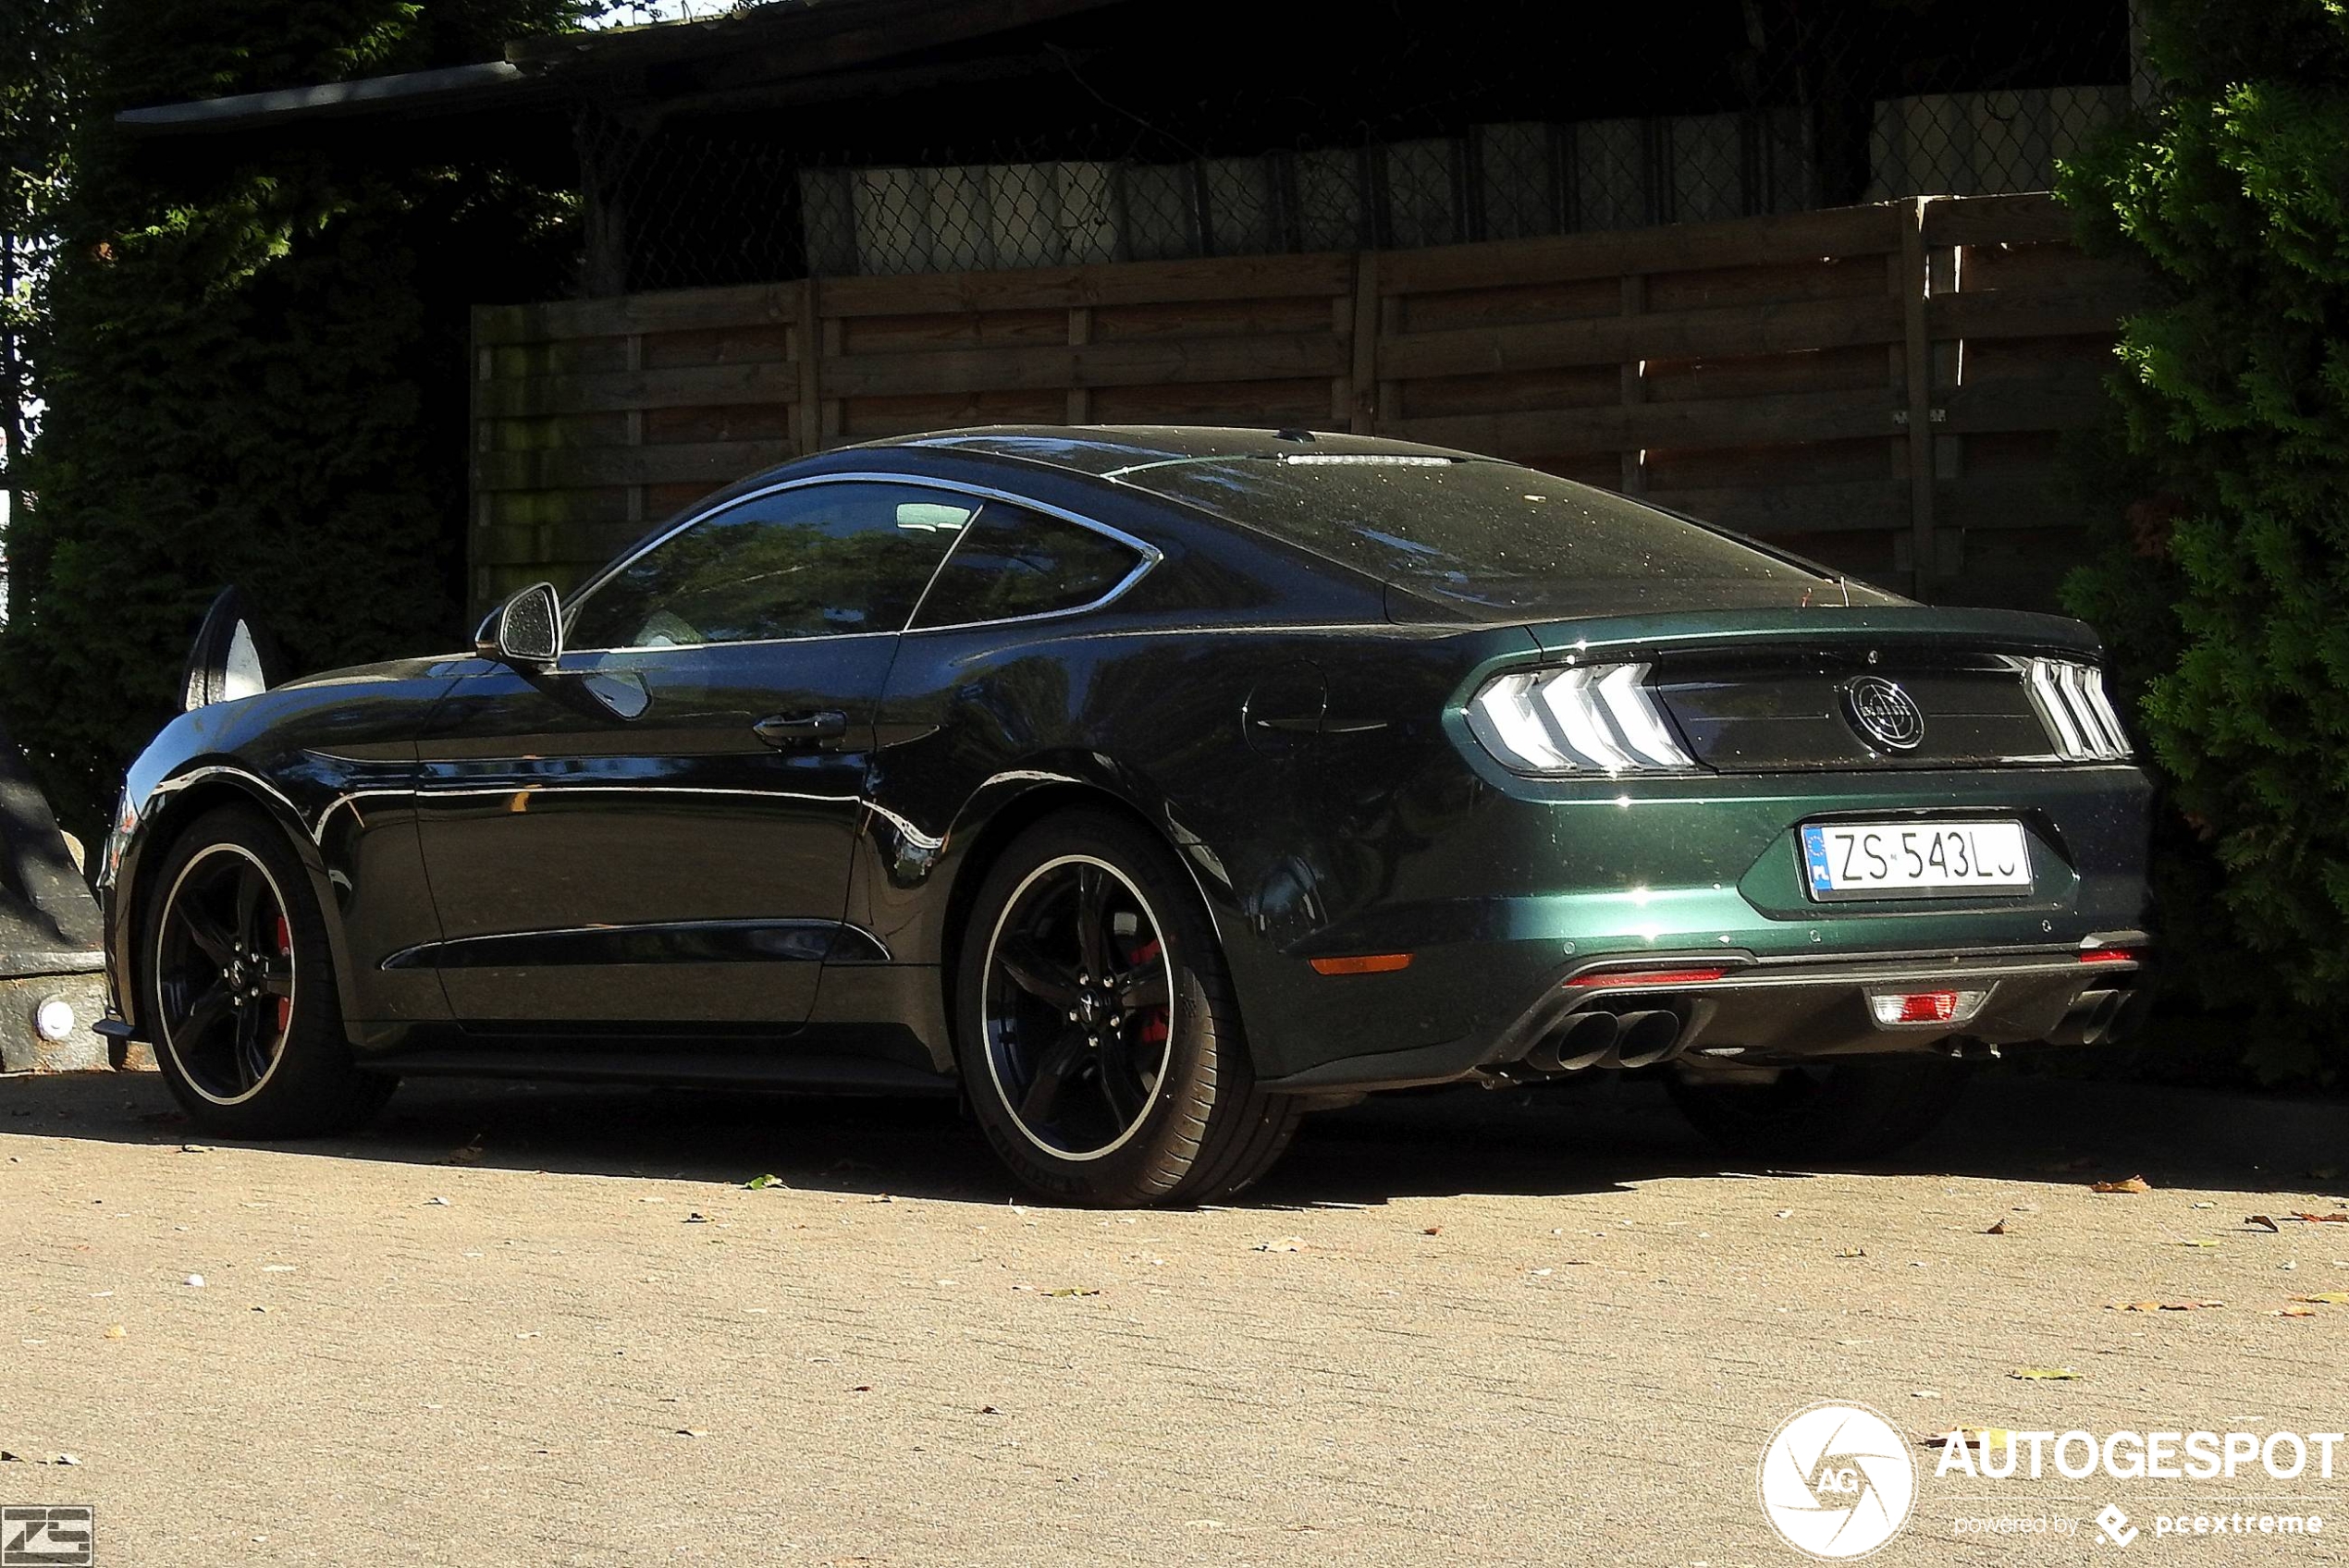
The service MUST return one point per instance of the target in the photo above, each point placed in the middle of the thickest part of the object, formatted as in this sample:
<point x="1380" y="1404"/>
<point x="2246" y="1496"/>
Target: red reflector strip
<point x="2108" y="955"/>
<point x="1367" y="964"/>
<point x="1648" y="977"/>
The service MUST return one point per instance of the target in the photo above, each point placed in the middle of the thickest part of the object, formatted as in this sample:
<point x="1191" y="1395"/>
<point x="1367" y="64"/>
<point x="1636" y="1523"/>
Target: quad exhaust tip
<point x="1599" y="1038"/>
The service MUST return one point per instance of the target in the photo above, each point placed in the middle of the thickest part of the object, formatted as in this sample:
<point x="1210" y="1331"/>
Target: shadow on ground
<point x="1605" y="1133"/>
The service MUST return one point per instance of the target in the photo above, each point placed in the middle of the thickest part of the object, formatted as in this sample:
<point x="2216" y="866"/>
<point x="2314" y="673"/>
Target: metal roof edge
<point x="489" y="80"/>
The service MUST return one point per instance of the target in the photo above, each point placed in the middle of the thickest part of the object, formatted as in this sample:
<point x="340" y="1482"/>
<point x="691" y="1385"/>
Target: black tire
<point x="1830" y="1114"/>
<point x="1156" y="1104"/>
<point x="261" y="1052"/>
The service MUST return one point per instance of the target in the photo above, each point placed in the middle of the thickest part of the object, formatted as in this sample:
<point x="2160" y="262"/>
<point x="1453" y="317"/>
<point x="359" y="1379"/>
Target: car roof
<point x="1104" y="451"/>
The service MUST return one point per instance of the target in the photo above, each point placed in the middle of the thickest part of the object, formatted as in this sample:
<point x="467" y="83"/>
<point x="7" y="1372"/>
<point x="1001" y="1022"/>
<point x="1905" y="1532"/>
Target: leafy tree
<point x="252" y="369"/>
<point x="2224" y="586"/>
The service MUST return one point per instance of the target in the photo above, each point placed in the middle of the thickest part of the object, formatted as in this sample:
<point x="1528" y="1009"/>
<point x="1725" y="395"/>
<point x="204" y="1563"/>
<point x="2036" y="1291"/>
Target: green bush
<point x="2223" y="587"/>
<point x="253" y="369"/>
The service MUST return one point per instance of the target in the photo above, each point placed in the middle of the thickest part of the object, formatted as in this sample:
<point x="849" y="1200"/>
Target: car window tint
<point x="1015" y="562"/>
<point x="812" y="562"/>
<point x="1486" y="538"/>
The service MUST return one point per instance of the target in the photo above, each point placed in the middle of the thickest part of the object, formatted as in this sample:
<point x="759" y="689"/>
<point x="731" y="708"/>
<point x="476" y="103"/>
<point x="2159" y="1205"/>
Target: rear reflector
<point x="2108" y="955"/>
<point x="1648" y="977"/>
<point x="1925" y="1007"/>
<point x="1367" y="964"/>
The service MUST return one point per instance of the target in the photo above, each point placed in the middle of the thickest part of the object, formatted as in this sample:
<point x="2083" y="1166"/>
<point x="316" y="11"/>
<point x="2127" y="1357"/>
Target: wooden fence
<point x="1881" y="387"/>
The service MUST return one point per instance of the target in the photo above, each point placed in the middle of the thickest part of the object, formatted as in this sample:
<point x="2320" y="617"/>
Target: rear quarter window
<point x="1013" y="562"/>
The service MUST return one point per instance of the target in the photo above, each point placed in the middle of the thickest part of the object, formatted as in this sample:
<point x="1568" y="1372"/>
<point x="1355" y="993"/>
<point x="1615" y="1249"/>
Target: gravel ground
<point x="522" y="1326"/>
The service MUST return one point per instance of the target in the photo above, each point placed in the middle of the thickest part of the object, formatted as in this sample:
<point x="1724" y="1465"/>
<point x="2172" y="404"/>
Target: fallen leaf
<point x="1074" y="1290"/>
<point x="2045" y="1374"/>
<point x="1852" y="1252"/>
<point x="2293" y="1311"/>
<point x="435" y="1203"/>
<point x="2133" y="1184"/>
<point x="988" y="1410"/>
<point x="1997" y="1227"/>
<point x="194" y="1279"/>
<point x="1287" y="1243"/>
<point x="65" y="1459"/>
<point x="2262" y="1221"/>
<point x="195" y="1148"/>
<point x="1432" y="1230"/>
<point x="2161" y="1305"/>
<point x="862" y="1389"/>
<point x="116" y="1331"/>
<point x="692" y="1432"/>
<point x="2328" y="1298"/>
<point x="760" y="1183"/>
<point x="696" y="1218"/>
<point x="1976" y="1437"/>
<point x="2198" y="1243"/>
<point x="2340" y="1219"/>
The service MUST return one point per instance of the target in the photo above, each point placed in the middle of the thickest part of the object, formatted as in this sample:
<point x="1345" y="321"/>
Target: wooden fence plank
<point x="2037" y="312"/>
<point x="1853" y="506"/>
<point x="1106" y="283"/>
<point x="689" y="387"/>
<point x="1797" y="237"/>
<point x="671" y="310"/>
<point x="1727" y="422"/>
<point x="1909" y="283"/>
<point x="1148" y="362"/>
<point x="716" y="461"/>
<point x="2055" y="402"/>
<point x="2033" y="218"/>
<point x="1664" y="335"/>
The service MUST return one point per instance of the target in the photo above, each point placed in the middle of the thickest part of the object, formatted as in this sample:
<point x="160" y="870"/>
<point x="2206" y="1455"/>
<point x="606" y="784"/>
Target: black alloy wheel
<point x="1078" y="1009"/>
<point x="1099" y="1039"/>
<point x="238" y="988"/>
<point x="225" y="972"/>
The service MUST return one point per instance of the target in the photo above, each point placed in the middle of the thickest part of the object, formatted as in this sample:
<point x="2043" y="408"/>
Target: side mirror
<point x="527" y="629"/>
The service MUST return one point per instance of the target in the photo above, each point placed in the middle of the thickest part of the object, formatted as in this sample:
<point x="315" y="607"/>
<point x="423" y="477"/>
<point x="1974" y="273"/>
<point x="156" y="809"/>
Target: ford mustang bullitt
<point x="1149" y="788"/>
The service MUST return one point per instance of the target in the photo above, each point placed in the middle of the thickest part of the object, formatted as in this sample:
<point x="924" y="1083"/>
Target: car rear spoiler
<point x="234" y="655"/>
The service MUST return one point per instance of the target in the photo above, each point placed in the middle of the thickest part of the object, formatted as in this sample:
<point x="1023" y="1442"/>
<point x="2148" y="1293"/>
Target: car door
<point x="656" y="834"/>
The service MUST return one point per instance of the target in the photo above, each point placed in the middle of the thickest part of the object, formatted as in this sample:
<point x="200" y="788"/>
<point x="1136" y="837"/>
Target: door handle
<point x="782" y="729"/>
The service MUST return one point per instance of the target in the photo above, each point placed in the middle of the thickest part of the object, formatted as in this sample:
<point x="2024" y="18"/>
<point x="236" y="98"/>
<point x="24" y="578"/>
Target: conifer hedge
<point x="2222" y="585"/>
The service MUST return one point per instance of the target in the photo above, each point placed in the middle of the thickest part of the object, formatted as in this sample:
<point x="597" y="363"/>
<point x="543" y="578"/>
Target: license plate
<point x="1916" y="859"/>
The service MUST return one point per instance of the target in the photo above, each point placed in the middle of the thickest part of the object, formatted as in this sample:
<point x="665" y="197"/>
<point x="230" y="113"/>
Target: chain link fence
<point x="1869" y="106"/>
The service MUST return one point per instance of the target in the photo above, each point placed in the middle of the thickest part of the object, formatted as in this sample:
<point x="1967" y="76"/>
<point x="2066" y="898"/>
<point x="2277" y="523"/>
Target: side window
<point x="812" y="562"/>
<point x="1015" y="562"/>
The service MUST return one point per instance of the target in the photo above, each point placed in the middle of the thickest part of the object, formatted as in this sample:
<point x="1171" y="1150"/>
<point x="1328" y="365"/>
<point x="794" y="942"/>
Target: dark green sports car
<point x="1149" y="788"/>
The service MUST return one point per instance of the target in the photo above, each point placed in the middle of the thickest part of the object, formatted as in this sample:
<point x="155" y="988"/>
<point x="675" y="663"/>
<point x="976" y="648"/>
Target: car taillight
<point x="2078" y="716"/>
<point x="1598" y="718"/>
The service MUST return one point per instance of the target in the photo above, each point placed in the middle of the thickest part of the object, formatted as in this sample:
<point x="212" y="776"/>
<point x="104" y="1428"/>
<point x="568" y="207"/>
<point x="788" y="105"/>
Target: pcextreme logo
<point x="1837" y="1481"/>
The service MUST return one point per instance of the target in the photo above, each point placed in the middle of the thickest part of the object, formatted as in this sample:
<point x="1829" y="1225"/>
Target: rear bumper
<point x="1729" y="1011"/>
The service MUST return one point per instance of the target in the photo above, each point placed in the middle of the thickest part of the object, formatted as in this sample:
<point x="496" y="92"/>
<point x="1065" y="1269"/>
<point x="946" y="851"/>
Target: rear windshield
<point x="1488" y="540"/>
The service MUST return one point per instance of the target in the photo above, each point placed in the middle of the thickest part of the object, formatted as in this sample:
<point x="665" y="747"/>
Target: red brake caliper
<point x="285" y="949"/>
<point x="1153" y="1031"/>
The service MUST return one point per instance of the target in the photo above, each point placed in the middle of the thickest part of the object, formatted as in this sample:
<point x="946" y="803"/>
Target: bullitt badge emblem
<point x="1883" y="714"/>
